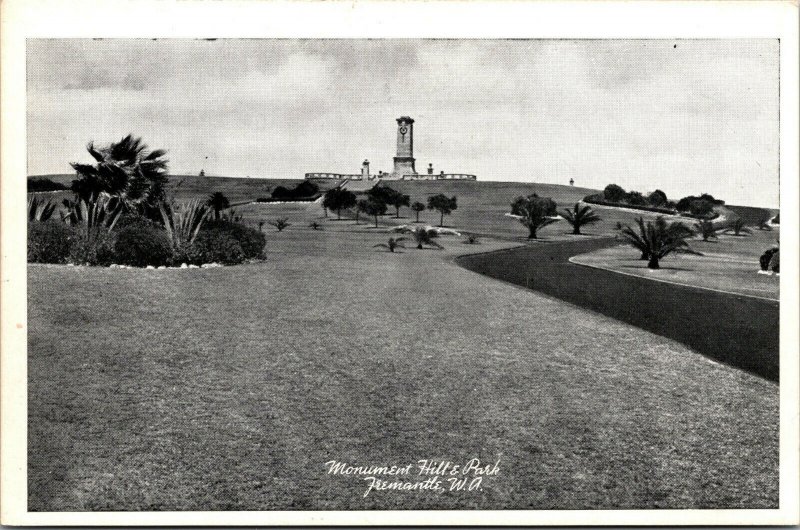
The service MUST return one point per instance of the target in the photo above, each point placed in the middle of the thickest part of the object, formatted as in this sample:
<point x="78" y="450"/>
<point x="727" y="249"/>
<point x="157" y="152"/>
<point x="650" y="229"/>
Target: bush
<point x="140" y="243"/>
<point x="777" y="219"/>
<point x="636" y="198"/>
<point x="214" y="246"/>
<point x="304" y="190"/>
<point x="49" y="242"/>
<point x="251" y="241"/>
<point x="766" y="259"/>
<point x="614" y="193"/>
<point x="94" y="248"/>
<point x="44" y="184"/>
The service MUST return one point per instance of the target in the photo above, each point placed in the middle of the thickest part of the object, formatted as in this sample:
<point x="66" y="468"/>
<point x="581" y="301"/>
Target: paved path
<point x="736" y="330"/>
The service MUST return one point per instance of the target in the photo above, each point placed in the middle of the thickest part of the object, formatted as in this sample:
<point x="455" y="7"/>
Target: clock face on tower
<point x="403" y="131"/>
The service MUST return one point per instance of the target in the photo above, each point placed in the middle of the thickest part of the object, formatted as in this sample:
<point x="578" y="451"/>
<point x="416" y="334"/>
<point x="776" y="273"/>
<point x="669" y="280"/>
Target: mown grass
<point x="230" y="388"/>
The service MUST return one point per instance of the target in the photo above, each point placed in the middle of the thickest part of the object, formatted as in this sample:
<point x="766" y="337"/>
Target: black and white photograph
<point x="423" y="273"/>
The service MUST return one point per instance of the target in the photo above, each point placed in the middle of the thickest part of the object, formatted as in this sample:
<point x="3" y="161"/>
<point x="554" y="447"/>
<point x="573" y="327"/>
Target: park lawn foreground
<point x="230" y="388"/>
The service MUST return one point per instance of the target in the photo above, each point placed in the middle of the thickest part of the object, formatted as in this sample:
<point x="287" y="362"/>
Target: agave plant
<point x="657" y="239"/>
<point x="40" y="210"/>
<point x="183" y="222"/>
<point x="95" y="212"/>
<point x="738" y="228"/>
<point x="280" y="223"/>
<point x="580" y="216"/>
<point x="315" y="226"/>
<point x="392" y="244"/>
<point x="706" y="230"/>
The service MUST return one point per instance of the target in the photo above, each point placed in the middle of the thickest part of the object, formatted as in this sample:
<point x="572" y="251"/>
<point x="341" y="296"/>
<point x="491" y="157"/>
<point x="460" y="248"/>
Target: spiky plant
<point x="96" y="212"/>
<point x="738" y="228"/>
<point x="281" y="223"/>
<point x="315" y="226"/>
<point x="183" y="221"/>
<point x="40" y="210"/>
<point x="472" y="239"/>
<point x="126" y="169"/>
<point x="706" y="230"/>
<point x="392" y="244"/>
<point x="580" y="216"/>
<point x="657" y="239"/>
<point x="423" y="236"/>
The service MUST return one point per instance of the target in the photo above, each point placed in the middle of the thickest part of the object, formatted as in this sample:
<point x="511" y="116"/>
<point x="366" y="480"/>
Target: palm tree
<point x="126" y="169"/>
<point x="738" y="228"/>
<point x="418" y="207"/>
<point x="424" y="236"/>
<point x="218" y="202"/>
<point x="392" y="244"/>
<point x="706" y="230"/>
<point x="281" y="223"/>
<point x="580" y="216"/>
<point x="534" y="215"/>
<point x="656" y="239"/>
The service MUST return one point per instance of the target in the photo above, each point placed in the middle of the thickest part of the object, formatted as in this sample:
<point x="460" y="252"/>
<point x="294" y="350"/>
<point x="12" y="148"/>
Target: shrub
<point x="94" y="246"/>
<point x="44" y="184"/>
<point x="636" y="198"/>
<point x="140" y="243"/>
<point x="303" y="190"/>
<point x="251" y="241"/>
<point x="777" y="219"/>
<point x="49" y="242"/>
<point x="214" y="246"/>
<point x="766" y="259"/>
<point x="614" y="193"/>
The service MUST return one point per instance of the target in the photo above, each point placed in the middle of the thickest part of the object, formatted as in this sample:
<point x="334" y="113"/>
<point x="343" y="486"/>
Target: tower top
<point x="405" y="119"/>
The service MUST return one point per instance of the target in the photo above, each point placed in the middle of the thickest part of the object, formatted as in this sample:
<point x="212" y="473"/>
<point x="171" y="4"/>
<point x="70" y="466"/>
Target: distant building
<point x="404" y="163"/>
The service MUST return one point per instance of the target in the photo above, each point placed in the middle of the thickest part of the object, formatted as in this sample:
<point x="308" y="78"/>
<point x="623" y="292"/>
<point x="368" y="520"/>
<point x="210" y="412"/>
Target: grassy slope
<point x="204" y="389"/>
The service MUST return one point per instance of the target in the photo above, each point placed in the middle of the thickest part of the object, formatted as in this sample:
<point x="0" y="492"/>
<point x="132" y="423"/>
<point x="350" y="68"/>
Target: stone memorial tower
<point x="404" y="161"/>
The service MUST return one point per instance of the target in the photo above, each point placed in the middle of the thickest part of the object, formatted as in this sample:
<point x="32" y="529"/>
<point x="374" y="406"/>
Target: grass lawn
<point x="230" y="388"/>
<point x="729" y="263"/>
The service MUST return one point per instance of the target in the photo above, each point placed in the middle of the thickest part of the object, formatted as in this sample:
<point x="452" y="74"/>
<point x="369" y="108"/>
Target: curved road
<point x="733" y="329"/>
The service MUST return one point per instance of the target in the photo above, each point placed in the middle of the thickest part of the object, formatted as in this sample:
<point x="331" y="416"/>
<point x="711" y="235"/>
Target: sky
<point x="683" y="116"/>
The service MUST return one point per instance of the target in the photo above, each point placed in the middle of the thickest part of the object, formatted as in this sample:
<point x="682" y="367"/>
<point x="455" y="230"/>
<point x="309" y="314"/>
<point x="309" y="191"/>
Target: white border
<point x="21" y="19"/>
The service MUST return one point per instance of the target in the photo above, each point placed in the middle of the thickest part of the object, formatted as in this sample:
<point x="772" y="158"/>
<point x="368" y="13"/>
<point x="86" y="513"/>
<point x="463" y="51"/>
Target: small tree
<point x="443" y="204"/>
<point x="399" y="200"/>
<point x="417" y="207"/>
<point x="217" y="201"/>
<point x="580" y="216"/>
<point x="372" y="207"/>
<point x="657" y="239"/>
<point x="338" y="199"/>
<point x="657" y="198"/>
<point x="392" y="244"/>
<point x="534" y="215"/>
<point x="281" y="223"/>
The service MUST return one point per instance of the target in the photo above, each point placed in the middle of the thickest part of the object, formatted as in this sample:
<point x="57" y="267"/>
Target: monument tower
<point x="404" y="161"/>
